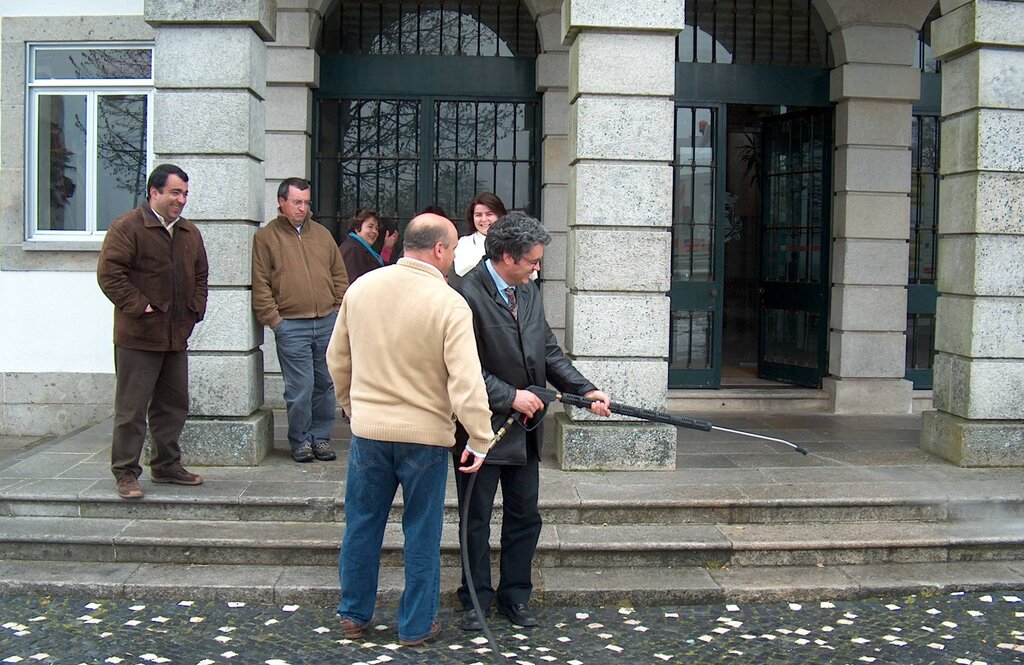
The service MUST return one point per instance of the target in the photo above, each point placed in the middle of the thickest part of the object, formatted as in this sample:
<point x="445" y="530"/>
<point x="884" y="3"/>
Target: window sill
<point x="57" y="245"/>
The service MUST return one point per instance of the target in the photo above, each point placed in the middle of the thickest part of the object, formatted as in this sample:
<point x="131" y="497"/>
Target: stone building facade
<point x="738" y="192"/>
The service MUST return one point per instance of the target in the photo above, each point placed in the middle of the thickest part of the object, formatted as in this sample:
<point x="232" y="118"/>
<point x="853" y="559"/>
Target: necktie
<point x="513" y="306"/>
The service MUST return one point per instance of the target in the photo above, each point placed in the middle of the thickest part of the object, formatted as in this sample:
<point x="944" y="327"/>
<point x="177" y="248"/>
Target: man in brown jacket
<point x="153" y="268"/>
<point x="298" y="281"/>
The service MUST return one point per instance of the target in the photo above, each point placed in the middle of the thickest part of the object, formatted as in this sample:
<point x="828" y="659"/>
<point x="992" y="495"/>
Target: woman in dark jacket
<point x="357" y="248"/>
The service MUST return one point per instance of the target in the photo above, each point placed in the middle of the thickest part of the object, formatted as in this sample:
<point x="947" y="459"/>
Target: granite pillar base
<point x="588" y="446"/>
<point x="225" y="441"/>
<point x="972" y="443"/>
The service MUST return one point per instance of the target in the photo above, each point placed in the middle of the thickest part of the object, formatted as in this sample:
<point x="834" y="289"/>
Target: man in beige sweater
<point x="404" y="363"/>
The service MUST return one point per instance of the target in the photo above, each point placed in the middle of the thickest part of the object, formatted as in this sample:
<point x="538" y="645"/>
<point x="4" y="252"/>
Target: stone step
<point x="592" y="501"/>
<point x="561" y="545"/>
<point x="553" y="585"/>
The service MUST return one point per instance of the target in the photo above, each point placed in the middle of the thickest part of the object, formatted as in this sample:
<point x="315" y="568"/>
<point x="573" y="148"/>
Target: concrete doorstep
<point x="584" y="587"/>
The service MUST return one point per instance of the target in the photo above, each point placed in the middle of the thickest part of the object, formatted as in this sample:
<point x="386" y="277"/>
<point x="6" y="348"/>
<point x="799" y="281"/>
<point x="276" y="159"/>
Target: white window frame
<point x="92" y="89"/>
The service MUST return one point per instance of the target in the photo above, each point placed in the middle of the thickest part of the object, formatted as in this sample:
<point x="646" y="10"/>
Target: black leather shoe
<point x="519" y="614"/>
<point x="470" y="620"/>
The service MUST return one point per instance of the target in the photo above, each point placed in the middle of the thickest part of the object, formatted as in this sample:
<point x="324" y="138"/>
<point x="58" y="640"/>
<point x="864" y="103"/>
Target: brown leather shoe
<point x="435" y="630"/>
<point x="350" y="629"/>
<point x="128" y="487"/>
<point x="179" y="477"/>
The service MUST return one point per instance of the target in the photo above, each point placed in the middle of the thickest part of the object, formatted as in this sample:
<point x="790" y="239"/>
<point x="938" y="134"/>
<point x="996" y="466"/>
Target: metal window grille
<point x="924" y="58"/>
<point x="502" y="28"/>
<point x="924" y="217"/>
<point x="752" y="32"/>
<point x="485" y="147"/>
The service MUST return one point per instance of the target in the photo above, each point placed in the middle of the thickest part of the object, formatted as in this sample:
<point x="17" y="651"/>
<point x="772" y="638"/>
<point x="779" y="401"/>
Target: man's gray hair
<point x="514" y="234"/>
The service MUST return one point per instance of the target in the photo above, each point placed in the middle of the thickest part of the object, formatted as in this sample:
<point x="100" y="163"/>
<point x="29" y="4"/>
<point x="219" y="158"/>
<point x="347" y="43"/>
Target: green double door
<point x="790" y="169"/>
<point x="399" y="133"/>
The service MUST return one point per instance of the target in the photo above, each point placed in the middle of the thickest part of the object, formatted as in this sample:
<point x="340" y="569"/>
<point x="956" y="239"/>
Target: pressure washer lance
<point x="464" y="538"/>
<point x="648" y="414"/>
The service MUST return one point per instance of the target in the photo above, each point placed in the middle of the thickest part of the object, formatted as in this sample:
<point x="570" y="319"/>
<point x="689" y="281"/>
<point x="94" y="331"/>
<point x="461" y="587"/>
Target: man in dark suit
<point x="517" y="349"/>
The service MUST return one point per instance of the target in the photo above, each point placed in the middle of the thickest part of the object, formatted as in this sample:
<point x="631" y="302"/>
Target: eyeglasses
<point x="299" y="204"/>
<point x="534" y="262"/>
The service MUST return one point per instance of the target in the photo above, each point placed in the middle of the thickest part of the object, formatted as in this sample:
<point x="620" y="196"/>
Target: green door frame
<point x="705" y="295"/>
<point x="710" y="85"/>
<point x="426" y="79"/>
<point x="922" y="298"/>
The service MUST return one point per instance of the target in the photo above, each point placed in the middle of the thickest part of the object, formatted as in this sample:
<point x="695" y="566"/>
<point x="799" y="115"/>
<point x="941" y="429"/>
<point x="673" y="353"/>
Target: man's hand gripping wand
<point x="648" y="414"/>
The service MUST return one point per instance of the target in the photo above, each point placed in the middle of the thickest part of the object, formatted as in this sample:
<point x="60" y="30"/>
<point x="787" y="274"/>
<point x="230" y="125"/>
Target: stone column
<point x="979" y="367"/>
<point x="553" y="84"/>
<point x="293" y="70"/>
<point x="874" y="85"/>
<point x="210" y="76"/>
<point x="621" y="114"/>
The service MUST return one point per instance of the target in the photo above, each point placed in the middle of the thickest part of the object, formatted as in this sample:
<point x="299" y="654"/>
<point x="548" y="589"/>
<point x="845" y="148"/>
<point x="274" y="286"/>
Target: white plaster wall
<point x="70" y="7"/>
<point x="55" y="322"/>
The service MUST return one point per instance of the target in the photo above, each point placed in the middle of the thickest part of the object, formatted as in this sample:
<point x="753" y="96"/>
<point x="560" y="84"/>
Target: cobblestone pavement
<point x="972" y="628"/>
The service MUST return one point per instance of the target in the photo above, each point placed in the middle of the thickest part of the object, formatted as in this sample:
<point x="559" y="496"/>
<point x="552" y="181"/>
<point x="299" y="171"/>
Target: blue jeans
<point x="375" y="470"/>
<point x="308" y="389"/>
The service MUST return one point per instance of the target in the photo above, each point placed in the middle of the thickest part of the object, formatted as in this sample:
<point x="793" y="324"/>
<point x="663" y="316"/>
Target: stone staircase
<point x="753" y="524"/>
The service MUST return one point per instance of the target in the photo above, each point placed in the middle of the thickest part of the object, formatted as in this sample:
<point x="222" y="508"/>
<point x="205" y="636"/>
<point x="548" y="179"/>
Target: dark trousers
<point x="153" y="385"/>
<point x="520" y="530"/>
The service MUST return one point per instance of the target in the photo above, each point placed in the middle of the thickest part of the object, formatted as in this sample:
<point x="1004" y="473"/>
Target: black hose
<point x="463" y="542"/>
<point x="464" y="547"/>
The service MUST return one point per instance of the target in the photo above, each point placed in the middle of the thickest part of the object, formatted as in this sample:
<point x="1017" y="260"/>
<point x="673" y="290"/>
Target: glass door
<point x="697" y="243"/>
<point x="795" y="245"/>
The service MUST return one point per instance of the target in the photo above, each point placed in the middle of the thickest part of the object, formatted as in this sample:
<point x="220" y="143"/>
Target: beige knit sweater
<point x="404" y="360"/>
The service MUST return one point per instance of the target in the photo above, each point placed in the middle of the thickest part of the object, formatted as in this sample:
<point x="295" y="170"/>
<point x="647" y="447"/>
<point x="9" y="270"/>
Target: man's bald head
<point x="431" y="238"/>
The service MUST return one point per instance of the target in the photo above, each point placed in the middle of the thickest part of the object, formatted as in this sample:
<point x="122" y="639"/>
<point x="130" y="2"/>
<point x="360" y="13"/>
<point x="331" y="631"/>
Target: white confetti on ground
<point x="860" y="640"/>
<point x="275" y="661"/>
<point x="205" y="661"/>
<point x="975" y="613"/>
<point x="893" y="608"/>
<point x="38" y="619"/>
<point x="227" y="629"/>
<point x="949" y="624"/>
<point x="626" y="610"/>
<point x="612" y="647"/>
<point x="114" y="659"/>
<point x="39" y="656"/>
<point x="866" y="659"/>
<point x="12" y="659"/>
<point x="663" y="656"/>
<point x="560" y="639"/>
<point x="732" y="608"/>
<point x="132" y="622"/>
<point x="721" y="630"/>
<point x="936" y="645"/>
<point x="825" y="605"/>
<point x="827" y="629"/>
<point x="641" y="629"/>
<point x="196" y="620"/>
<point x="270" y="622"/>
<point x="802" y="641"/>
<point x="802" y="631"/>
<point x="986" y="599"/>
<point x="228" y="654"/>
<point x="160" y="619"/>
<point x="233" y="604"/>
<point x="290" y="608"/>
<point x="137" y="608"/>
<point x="671" y="615"/>
<point x="795" y="606"/>
<point x="595" y="625"/>
<point x="153" y="658"/>
<point x="321" y="630"/>
<point x="933" y="611"/>
<point x="479" y="639"/>
<point x="1011" y="599"/>
<point x="93" y="606"/>
<point x="582" y="615"/>
<point x="187" y="603"/>
<point x="223" y="639"/>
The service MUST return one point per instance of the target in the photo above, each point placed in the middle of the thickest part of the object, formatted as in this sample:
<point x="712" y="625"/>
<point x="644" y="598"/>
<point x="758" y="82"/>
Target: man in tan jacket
<point x="404" y="363"/>
<point x="298" y="282"/>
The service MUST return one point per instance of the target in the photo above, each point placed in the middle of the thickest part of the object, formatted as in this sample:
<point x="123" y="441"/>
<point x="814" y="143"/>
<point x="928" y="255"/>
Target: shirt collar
<point x="498" y="281"/>
<point x="163" y="221"/>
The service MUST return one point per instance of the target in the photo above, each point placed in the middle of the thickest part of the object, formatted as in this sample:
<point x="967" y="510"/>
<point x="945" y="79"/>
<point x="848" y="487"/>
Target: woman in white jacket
<point x="485" y="209"/>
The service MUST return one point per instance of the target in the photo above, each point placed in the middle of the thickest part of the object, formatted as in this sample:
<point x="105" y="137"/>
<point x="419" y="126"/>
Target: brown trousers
<point x="153" y="384"/>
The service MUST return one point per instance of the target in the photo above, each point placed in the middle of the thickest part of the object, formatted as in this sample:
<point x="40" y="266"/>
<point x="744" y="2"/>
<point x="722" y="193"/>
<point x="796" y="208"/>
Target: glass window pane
<point x="691" y="339"/>
<point x="61" y="164"/>
<point x="121" y="153"/>
<point x="93" y="63"/>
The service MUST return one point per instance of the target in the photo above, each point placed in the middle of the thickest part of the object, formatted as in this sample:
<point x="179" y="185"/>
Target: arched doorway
<point x="751" y="220"/>
<point x="425" y="104"/>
